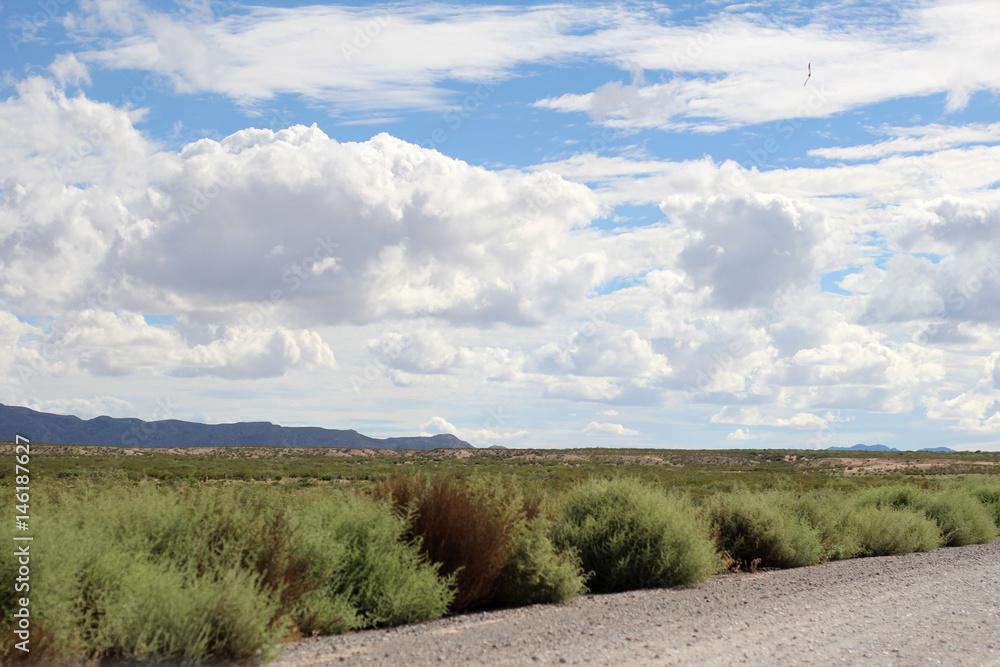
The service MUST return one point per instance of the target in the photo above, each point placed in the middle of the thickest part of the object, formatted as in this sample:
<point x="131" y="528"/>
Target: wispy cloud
<point x="918" y="139"/>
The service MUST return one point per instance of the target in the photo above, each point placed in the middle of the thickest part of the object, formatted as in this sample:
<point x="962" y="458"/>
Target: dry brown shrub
<point x="468" y="528"/>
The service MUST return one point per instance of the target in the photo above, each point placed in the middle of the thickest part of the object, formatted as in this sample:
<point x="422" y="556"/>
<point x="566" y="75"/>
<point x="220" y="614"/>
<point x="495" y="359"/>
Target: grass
<point x="699" y="472"/>
<point x="147" y="564"/>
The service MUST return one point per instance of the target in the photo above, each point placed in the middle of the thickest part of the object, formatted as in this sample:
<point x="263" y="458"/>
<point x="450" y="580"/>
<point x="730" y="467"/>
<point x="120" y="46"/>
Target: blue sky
<point x="528" y="224"/>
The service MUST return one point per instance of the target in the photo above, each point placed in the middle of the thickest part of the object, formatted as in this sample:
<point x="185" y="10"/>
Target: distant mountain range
<point x="883" y="448"/>
<point x="44" y="427"/>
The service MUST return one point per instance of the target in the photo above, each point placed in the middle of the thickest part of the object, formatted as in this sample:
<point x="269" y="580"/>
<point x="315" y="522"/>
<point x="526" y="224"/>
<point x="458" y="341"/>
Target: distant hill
<point x="883" y="448"/>
<point x="69" y="430"/>
<point x="865" y="448"/>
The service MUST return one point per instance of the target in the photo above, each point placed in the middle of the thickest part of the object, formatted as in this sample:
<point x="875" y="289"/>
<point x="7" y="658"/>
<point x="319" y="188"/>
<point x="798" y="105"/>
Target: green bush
<point x="136" y="573"/>
<point x="631" y="536"/>
<point x="763" y="530"/>
<point x="148" y="612"/>
<point x="182" y="572"/>
<point x="374" y="576"/>
<point x="987" y="492"/>
<point x="194" y="574"/>
<point x="961" y="518"/>
<point x="889" y="531"/>
<point x="537" y="572"/>
<point x="827" y="513"/>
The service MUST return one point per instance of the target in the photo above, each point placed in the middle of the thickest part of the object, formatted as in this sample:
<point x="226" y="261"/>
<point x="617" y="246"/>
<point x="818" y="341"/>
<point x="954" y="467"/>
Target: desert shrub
<point x="630" y="536"/>
<point x="961" y="518"/>
<point x="762" y="529"/>
<point x="136" y="573"/>
<point x="826" y="512"/>
<point x="987" y="492"/>
<point x="194" y="574"/>
<point x="888" y="531"/>
<point x="148" y="612"/>
<point x="374" y="575"/>
<point x="470" y="528"/>
<point x="536" y="571"/>
<point x="895" y="495"/>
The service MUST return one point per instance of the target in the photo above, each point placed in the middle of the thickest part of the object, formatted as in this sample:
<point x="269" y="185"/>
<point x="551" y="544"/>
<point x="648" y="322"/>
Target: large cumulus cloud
<point x="746" y="248"/>
<point x="356" y="232"/>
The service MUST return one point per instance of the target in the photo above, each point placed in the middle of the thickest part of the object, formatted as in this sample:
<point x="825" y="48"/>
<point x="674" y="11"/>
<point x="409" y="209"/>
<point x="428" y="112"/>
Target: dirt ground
<point x="937" y="608"/>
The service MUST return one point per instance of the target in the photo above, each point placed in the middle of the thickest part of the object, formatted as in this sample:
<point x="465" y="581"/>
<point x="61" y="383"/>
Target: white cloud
<point x="741" y="435"/>
<point x="609" y="428"/>
<point x="85" y="408"/>
<point x="428" y="351"/>
<point x="963" y="285"/>
<point x="247" y="353"/>
<point x="377" y="229"/>
<point x="915" y="140"/>
<point x="103" y="343"/>
<point x="853" y="354"/>
<point x="585" y="389"/>
<point x="67" y="69"/>
<point x="976" y="410"/>
<point x="745" y="71"/>
<point x="724" y="71"/>
<point x="601" y="351"/>
<point x="481" y="437"/>
<point x="436" y="425"/>
<point x="375" y="58"/>
<point x="754" y="417"/>
<point x="747" y="248"/>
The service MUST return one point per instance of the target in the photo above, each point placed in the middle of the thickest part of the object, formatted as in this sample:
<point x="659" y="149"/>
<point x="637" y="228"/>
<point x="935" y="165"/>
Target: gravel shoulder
<point x="937" y="608"/>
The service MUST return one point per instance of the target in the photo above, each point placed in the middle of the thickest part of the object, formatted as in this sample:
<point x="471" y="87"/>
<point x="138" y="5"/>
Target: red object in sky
<point x="810" y="73"/>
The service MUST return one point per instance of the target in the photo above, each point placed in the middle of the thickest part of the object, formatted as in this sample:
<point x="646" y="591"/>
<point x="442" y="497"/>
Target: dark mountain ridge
<point x="865" y="448"/>
<point x="44" y="427"/>
<point x="883" y="448"/>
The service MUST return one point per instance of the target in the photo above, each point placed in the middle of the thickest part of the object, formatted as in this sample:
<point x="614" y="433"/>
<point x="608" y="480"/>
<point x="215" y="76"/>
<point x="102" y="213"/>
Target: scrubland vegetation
<point x="195" y="568"/>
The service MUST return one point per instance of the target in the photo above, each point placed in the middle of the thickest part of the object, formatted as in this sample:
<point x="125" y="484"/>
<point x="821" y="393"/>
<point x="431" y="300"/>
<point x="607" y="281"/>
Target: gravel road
<point x="938" y="608"/>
